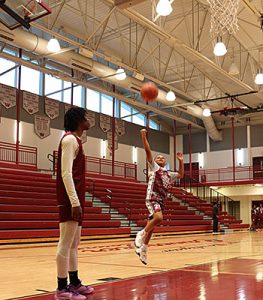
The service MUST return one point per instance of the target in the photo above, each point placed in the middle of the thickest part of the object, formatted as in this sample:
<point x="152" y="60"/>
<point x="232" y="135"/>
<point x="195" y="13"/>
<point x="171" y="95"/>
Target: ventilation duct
<point x="6" y="36"/>
<point x="135" y="87"/>
<point x="30" y="42"/>
<point x="84" y="67"/>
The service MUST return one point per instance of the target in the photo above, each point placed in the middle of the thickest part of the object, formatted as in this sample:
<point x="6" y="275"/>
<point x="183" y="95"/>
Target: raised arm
<point x="146" y="146"/>
<point x="179" y="156"/>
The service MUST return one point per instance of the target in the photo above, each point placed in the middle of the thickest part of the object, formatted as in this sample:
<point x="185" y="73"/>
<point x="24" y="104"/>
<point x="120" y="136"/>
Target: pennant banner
<point x="67" y="107"/>
<point x="30" y="102"/>
<point x="51" y="108"/>
<point x="109" y="138"/>
<point x="42" y="126"/>
<point x="91" y="118"/>
<point x="7" y="96"/>
<point x="119" y="127"/>
<point x="84" y="137"/>
<point x="105" y="122"/>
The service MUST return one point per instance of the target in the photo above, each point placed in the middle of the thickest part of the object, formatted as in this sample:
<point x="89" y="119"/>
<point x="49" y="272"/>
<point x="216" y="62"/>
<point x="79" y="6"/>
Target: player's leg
<point x="75" y="282"/>
<point x="155" y="218"/>
<point x="146" y="234"/>
<point x="67" y="233"/>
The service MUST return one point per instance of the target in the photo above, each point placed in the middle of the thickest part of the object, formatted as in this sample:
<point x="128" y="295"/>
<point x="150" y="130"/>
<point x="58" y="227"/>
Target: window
<point x="138" y="118"/>
<point x="126" y="110"/>
<point x="10" y="77"/>
<point x="117" y="108"/>
<point x="77" y="96"/>
<point x="154" y="125"/>
<point x="67" y="92"/>
<point x="106" y="105"/>
<point x="30" y="80"/>
<point x="93" y="100"/>
<point x="53" y="84"/>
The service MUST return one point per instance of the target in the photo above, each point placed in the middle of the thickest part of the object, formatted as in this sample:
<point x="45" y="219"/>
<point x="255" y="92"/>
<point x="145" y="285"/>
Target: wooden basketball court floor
<point x="202" y="266"/>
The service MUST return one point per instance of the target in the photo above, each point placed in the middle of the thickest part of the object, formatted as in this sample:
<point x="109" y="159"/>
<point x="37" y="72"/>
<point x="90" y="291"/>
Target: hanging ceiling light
<point x="164" y="8"/>
<point x="233" y="69"/>
<point x="120" y="74"/>
<point x="259" y="78"/>
<point x="53" y="45"/>
<point x="220" y="48"/>
<point x="206" y="112"/>
<point x="170" y="96"/>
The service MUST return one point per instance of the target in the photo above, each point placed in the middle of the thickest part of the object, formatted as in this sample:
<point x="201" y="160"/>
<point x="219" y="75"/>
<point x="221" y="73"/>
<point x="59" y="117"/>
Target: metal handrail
<point x="206" y="193"/>
<point x="51" y="158"/>
<point x="109" y="196"/>
<point x="92" y="190"/>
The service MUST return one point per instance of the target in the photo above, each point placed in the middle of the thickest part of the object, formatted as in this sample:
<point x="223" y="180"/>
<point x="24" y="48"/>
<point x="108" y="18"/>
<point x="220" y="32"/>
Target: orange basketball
<point x="149" y="91"/>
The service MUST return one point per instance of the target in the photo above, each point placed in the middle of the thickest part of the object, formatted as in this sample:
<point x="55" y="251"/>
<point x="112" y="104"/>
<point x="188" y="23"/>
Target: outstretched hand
<point x="179" y="155"/>
<point x="143" y="132"/>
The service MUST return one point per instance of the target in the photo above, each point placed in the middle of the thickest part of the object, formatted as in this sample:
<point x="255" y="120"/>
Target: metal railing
<point x="206" y="193"/>
<point x="109" y="197"/>
<point x="91" y="188"/>
<point x="102" y="166"/>
<point x="18" y="154"/>
<point x="241" y="173"/>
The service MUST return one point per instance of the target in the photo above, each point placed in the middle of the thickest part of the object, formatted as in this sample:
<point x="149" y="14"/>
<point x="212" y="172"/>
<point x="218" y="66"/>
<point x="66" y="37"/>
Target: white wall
<point x="8" y="130"/>
<point x="44" y="146"/>
<point x="92" y="147"/>
<point x="245" y="194"/>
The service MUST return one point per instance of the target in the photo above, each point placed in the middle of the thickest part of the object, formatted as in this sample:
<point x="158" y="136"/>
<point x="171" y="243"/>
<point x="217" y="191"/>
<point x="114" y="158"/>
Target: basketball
<point x="149" y="91"/>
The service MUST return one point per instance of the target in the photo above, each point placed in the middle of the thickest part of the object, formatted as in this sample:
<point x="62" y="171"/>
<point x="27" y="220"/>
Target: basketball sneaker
<point x="139" y="239"/>
<point x="81" y="289"/>
<point x="67" y="294"/>
<point x="142" y="252"/>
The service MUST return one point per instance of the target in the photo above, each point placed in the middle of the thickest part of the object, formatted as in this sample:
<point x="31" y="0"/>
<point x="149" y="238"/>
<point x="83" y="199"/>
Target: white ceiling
<point x="176" y="52"/>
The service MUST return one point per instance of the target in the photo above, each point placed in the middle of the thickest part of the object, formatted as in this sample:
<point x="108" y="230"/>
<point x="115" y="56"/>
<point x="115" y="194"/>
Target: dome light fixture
<point x="220" y="48"/>
<point x="120" y="74"/>
<point x="259" y="78"/>
<point x="53" y="45"/>
<point x="206" y="112"/>
<point x="170" y="96"/>
<point x="164" y="8"/>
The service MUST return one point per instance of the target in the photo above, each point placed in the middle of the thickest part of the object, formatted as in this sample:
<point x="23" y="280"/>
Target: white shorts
<point x="153" y="207"/>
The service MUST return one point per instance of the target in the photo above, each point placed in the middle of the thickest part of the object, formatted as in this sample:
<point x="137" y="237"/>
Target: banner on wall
<point x="7" y="96"/>
<point x="51" y="108"/>
<point x="84" y="137"/>
<point x="30" y="102"/>
<point x="42" y="126"/>
<point x="67" y="107"/>
<point x="91" y="118"/>
<point x="109" y="138"/>
<point x="119" y="127"/>
<point x="105" y="122"/>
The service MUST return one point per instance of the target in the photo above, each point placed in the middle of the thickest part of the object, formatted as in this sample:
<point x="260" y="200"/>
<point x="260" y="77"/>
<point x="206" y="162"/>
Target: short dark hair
<point x="73" y="117"/>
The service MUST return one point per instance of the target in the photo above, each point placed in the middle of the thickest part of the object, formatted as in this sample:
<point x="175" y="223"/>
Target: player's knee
<point x="158" y="219"/>
<point x="63" y="252"/>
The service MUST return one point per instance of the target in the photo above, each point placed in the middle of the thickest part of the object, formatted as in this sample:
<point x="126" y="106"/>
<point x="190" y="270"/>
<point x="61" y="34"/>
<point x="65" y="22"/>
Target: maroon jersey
<point x="78" y="174"/>
<point x="160" y="181"/>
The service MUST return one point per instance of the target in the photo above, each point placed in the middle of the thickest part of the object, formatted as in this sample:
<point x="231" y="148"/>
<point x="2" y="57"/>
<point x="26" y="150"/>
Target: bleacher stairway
<point x="226" y="221"/>
<point x="28" y="208"/>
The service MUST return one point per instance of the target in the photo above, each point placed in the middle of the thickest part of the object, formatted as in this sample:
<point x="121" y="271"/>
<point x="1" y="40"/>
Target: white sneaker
<point x="142" y="252"/>
<point x="139" y="239"/>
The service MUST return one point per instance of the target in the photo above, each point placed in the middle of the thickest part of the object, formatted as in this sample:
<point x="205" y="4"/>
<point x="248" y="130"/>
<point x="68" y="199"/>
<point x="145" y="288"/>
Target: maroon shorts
<point x="66" y="215"/>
